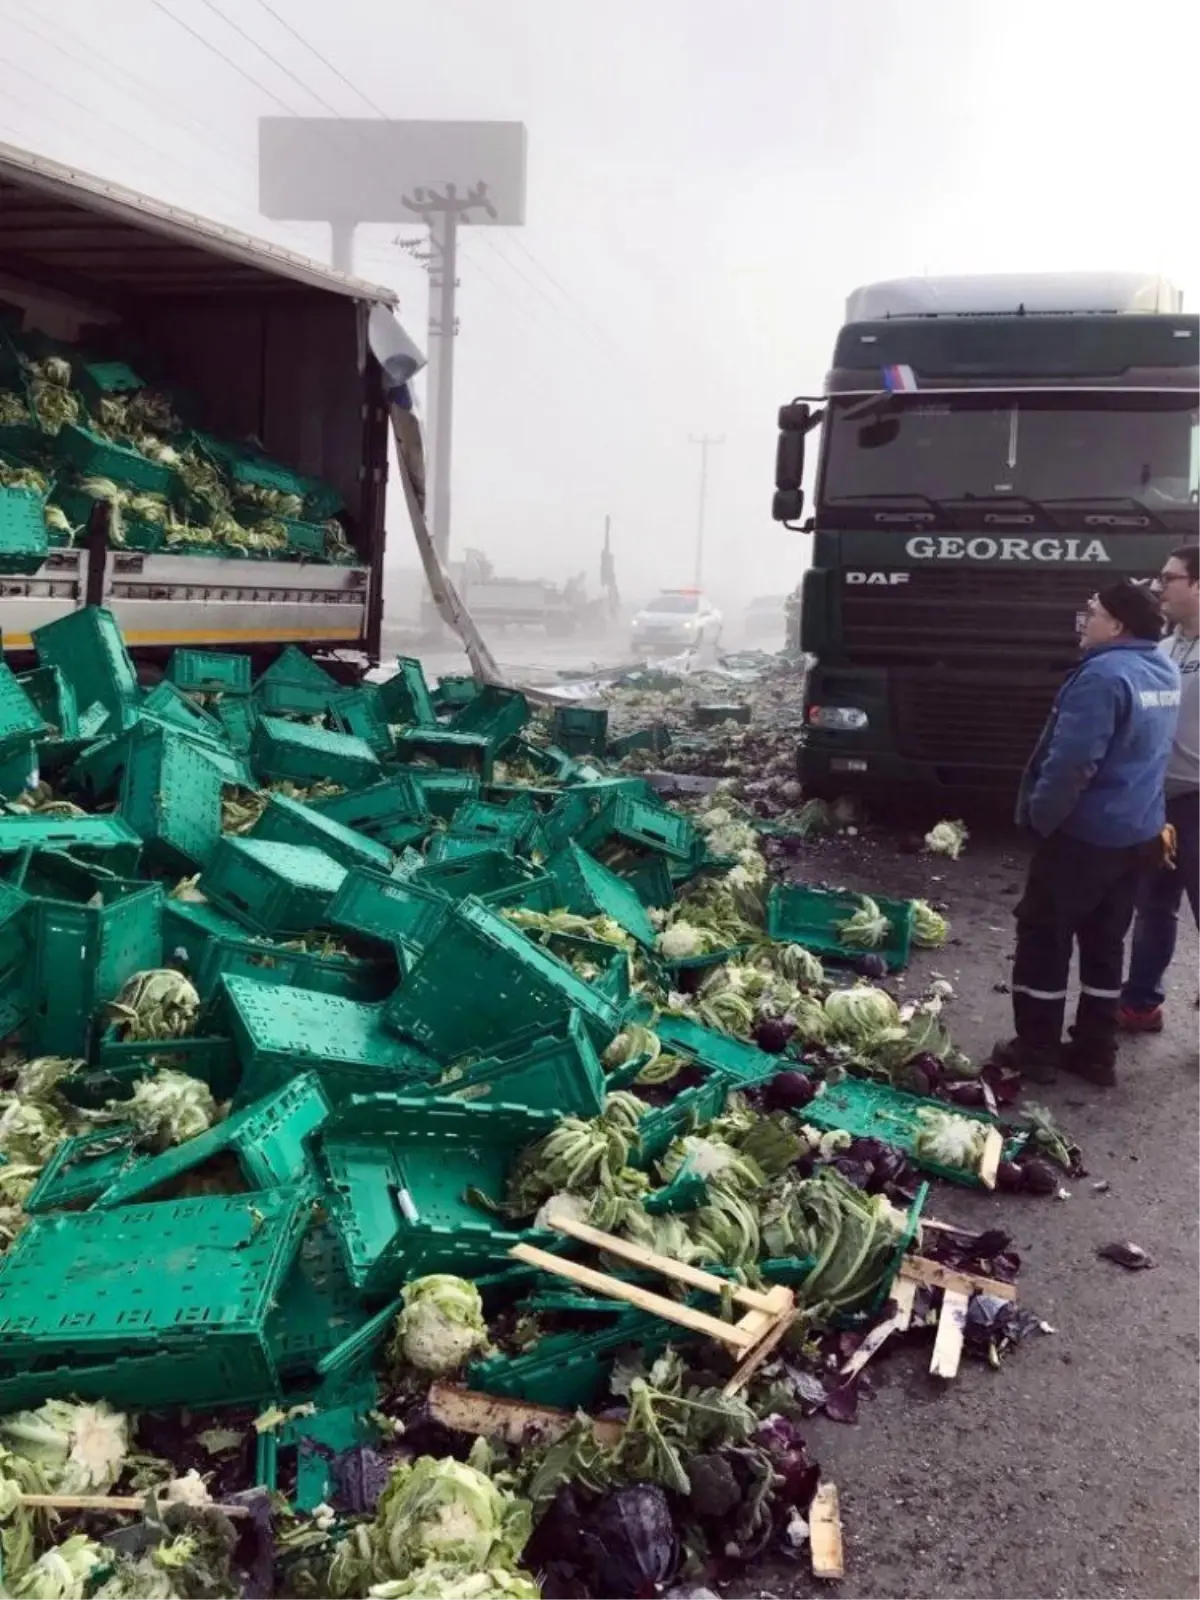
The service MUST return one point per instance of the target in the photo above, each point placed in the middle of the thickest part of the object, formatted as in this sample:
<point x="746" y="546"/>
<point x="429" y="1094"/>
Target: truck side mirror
<point x="788" y="506"/>
<point x="789" y="461"/>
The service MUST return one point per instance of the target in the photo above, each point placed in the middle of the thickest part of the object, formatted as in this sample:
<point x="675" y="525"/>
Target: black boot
<point x="1094" y="1064"/>
<point x="1039" y="1064"/>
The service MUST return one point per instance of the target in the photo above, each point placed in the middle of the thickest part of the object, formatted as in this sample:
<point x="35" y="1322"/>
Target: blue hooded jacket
<point x="1097" y="773"/>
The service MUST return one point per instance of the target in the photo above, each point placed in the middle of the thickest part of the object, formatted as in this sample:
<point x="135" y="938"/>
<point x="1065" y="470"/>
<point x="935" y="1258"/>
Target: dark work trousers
<point x="1159" y="899"/>
<point x="1075" y="893"/>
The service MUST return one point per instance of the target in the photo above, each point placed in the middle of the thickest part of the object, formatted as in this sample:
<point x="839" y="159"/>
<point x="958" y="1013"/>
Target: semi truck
<point x="265" y="346"/>
<point x="991" y="451"/>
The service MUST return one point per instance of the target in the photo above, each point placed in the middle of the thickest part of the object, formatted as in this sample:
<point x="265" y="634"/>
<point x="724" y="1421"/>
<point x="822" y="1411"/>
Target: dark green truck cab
<point x="992" y="451"/>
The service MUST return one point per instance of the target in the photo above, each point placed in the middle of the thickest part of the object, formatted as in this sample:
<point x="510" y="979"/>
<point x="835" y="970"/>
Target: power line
<point x="227" y="59"/>
<point x="263" y="51"/>
<point x="94" y="67"/>
<point x="706" y="443"/>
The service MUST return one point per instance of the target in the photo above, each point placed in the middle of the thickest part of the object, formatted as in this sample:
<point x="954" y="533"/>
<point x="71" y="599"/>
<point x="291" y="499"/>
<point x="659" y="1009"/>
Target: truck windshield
<point x="1045" y="446"/>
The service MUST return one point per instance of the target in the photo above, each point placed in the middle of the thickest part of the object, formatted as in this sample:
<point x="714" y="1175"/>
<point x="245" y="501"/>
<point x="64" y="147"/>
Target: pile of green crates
<point x="386" y="1037"/>
<point x="73" y="428"/>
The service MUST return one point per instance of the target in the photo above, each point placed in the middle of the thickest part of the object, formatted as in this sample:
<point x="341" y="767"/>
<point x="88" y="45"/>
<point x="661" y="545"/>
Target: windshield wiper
<point x="898" y="502"/>
<point x="1088" y="502"/>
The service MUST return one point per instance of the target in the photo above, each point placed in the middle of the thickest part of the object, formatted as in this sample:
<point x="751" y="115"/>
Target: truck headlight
<point x="837" y="719"/>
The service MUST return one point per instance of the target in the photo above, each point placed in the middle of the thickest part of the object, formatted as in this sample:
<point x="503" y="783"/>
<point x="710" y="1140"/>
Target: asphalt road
<point x="1073" y="1470"/>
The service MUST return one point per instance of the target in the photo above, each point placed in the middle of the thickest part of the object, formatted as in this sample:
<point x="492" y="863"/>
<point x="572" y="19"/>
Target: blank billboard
<point x="359" y="169"/>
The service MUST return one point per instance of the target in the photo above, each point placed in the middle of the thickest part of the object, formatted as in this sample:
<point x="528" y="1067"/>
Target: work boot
<point x="1092" y="1064"/>
<point x="1132" y="1020"/>
<point x="1036" y="1065"/>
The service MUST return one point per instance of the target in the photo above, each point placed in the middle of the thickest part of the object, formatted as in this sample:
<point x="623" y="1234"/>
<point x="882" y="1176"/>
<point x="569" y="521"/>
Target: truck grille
<point x="969" y="719"/>
<point x="958" y="610"/>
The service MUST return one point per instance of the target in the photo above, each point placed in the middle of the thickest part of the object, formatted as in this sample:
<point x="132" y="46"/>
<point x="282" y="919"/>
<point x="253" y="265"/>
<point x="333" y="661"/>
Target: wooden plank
<point x="934" y="1276"/>
<point x="613" y="1288"/>
<point x="989" y="1163"/>
<point x="117" y="1503"/>
<point x="825" y="1534"/>
<point x="759" y="1354"/>
<point x="948" y="1345"/>
<point x="519" y="1422"/>
<point x="904" y="1293"/>
<point x="627" y="1250"/>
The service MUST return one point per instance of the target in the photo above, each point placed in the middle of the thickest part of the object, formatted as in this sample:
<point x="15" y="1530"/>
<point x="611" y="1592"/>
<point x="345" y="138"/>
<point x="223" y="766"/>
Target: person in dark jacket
<point x="1093" y="793"/>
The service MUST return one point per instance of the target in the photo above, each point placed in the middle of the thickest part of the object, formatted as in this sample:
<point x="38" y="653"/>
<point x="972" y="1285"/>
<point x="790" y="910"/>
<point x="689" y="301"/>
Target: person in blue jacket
<point x="1093" y="793"/>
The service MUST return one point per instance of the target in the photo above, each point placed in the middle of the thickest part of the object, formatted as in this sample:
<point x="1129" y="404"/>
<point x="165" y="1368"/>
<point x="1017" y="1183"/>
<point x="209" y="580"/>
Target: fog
<point x="706" y="183"/>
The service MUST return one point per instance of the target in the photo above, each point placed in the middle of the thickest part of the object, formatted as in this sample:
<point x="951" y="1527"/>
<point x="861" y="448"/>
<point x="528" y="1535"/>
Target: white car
<point x="677" y="619"/>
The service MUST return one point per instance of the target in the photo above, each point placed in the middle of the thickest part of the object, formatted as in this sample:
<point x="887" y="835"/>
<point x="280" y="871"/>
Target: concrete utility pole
<point x="442" y="214"/>
<point x="706" y="443"/>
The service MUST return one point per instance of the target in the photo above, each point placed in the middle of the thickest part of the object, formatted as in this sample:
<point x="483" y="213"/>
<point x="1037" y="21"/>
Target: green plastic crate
<point x="97" y="379"/>
<point x="516" y="825"/>
<point x="82" y="1167"/>
<point x="319" y="1309"/>
<point x="280" y="1032"/>
<point x="15" y="946"/>
<point x="560" y="1075"/>
<point x="390" y="911"/>
<point x="83" y="953"/>
<point x="405" y="696"/>
<point x="496" y="714"/>
<point x="209" y="672"/>
<point x="19" y="771"/>
<point x="294" y="685"/>
<point x="209" y="1057"/>
<point x="123" y="1063"/>
<point x="360" y="712"/>
<point x="168" y="703"/>
<point x="87" y="648"/>
<point x="148" y="1305"/>
<point x="191" y="926"/>
<point x="351" y="977"/>
<point x="798" y="914"/>
<point x="107" y="841"/>
<point x="690" y="1109"/>
<point x="237" y="715"/>
<point x="480" y="980"/>
<point x="20" y="719"/>
<point x="54" y="700"/>
<point x="93" y="456"/>
<point x="643" y="825"/>
<point x="171" y="797"/>
<point x="877" y="1111"/>
<point x="454" y="691"/>
<point x="453" y="846"/>
<point x="492" y="877"/>
<point x="656" y="738"/>
<point x="443" y="792"/>
<point x="572" y="1370"/>
<point x="304" y="754"/>
<point x="580" y="730"/>
<point x="394" y="801"/>
<point x="288" y="821"/>
<point x="446" y="747"/>
<point x="745" y="1064"/>
<point x="24" y="543"/>
<point x="272" y="888"/>
<point x="612" y="976"/>
<point x="589" y="889"/>
<point x="398" y="1170"/>
<point x="271" y="1140"/>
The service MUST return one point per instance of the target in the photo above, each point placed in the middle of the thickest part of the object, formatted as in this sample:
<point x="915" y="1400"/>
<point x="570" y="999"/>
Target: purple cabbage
<point x="630" y="1542"/>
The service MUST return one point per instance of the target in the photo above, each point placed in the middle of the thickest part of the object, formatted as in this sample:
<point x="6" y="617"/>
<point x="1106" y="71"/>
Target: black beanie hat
<point x="1134" y="607"/>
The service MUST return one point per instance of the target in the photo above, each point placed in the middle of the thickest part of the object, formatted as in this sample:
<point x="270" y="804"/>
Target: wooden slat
<point x="948" y="1345"/>
<point x="519" y="1422"/>
<point x="989" y="1163"/>
<point x="934" y="1276"/>
<point x="904" y="1293"/>
<point x="759" y="1354"/>
<point x="627" y="1250"/>
<point x="135" y="1503"/>
<point x="614" y="1288"/>
<point x="825" y="1534"/>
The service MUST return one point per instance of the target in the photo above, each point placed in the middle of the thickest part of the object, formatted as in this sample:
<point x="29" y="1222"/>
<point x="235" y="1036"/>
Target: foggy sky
<point x="706" y="184"/>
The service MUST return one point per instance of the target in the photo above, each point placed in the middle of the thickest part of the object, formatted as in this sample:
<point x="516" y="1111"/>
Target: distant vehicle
<point x="676" y="619"/>
<point x="764" y="619"/>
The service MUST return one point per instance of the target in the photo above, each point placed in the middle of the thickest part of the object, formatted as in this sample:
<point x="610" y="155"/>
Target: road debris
<point x="389" y="1067"/>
